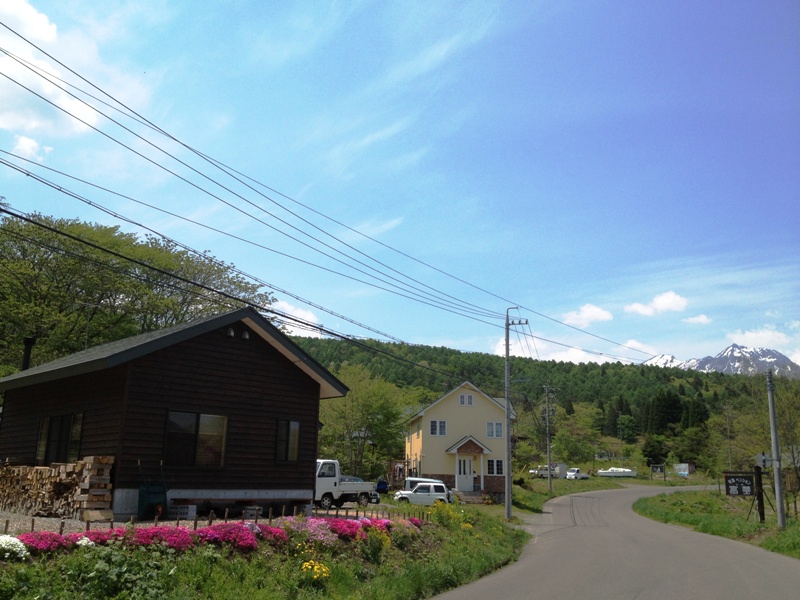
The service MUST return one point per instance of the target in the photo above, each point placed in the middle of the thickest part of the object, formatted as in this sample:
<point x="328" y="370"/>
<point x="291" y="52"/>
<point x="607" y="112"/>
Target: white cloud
<point x="699" y="319"/>
<point x="29" y="22"/>
<point x="541" y="350"/>
<point x="586" y="315"/>
<point x="760" y="338"/>
<point x="29" y="148"/>
<point x="44" y="107"/>
<point x="646" y="348"/>
<point x="666" y="302"/>
<point x="301" y="313"/>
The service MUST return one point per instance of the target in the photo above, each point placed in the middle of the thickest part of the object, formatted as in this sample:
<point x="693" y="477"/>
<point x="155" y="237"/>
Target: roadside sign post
<point x="658" y="469"/>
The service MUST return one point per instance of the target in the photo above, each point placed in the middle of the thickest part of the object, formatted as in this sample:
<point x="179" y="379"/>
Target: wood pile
<point x="67" y="490"/>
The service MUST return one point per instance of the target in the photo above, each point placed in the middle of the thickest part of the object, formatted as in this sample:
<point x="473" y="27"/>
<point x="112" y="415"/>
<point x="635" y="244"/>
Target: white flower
<point x="12" y="549"/>
<point x="84" y="541"/>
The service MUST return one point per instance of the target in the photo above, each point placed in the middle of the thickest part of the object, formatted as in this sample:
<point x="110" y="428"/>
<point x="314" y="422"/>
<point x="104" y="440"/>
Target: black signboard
<point x="740" y="484"/>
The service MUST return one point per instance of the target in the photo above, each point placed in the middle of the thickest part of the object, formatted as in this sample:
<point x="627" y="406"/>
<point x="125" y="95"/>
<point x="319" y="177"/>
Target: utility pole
<point x="547" y="424"/>
<point x="776" y="453"/>
<point x="509" y="322"/>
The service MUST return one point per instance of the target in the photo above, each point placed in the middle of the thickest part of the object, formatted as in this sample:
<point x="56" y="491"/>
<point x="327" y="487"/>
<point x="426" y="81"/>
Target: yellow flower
<point x="316" y="569"/>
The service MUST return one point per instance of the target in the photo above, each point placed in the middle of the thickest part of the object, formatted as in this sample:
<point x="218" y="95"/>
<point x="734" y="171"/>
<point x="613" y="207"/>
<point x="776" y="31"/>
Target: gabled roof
<point x="468" y="438"/>
<point x="120" y="352"/>
<point x="500" y="402"/>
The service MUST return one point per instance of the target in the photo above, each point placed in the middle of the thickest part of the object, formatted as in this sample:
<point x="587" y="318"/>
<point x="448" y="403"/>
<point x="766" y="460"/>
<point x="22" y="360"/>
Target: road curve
<point x="592" y="545"/>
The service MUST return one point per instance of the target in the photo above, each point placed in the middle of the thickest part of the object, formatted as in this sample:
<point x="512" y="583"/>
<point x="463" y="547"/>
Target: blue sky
<point x="626" y="173"/>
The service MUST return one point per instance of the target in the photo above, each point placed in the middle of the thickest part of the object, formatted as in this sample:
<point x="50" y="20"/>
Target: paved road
<point x="593" y="546"/>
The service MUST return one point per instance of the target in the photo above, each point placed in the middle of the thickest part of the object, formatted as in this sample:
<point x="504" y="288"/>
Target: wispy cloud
<point x="699" y="320"/>
<point x="666" y="302"/>
<point x="375" y="228"/>
<point x="295" y="33"/>
<point x="344" y="154"/>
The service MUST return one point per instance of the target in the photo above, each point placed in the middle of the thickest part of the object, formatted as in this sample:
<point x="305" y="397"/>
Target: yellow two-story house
<point x="461" y="439"/>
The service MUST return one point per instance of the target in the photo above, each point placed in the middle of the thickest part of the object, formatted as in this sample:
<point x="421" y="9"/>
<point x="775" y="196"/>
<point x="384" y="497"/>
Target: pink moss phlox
<point x="314" y="530"/>
<point x="381" y="524"/>
<point x="101" y="537"/>
<point x="178" y="538"/>
<point x="346" y="529"/>
<point x="274" y="535"/>
<point x="43" y="541"/>
<point x="415" y="522"/>
<point x="236" y="534"/>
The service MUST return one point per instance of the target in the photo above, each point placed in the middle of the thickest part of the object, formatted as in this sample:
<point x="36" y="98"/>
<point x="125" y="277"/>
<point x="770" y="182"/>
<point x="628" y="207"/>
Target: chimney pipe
<point x="26" y="353"/>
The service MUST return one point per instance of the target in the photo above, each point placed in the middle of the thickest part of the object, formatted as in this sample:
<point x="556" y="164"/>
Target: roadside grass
<point x="459" y="544"/>
<point x="717" y="514"/>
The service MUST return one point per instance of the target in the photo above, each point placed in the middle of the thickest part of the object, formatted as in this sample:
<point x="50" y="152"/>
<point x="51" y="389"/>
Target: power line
<point x="229" y="170"/>
<point x="240" y="301"/>
<point x="448" y="300"/>
<point x="100" y="207"/>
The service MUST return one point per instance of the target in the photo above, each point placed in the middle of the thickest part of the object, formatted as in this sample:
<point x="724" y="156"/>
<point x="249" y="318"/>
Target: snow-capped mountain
<point x="735" y="360"/>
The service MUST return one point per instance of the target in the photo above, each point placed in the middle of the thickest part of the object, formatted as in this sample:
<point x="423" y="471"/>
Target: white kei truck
<point x="330" y="490"/>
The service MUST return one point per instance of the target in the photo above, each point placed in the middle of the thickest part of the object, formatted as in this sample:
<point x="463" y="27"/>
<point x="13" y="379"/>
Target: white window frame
<point x="494" y="429"/>
<point x="494" y="466"/>
<point x="466" y="400"/>
<point x="438" y="428"/>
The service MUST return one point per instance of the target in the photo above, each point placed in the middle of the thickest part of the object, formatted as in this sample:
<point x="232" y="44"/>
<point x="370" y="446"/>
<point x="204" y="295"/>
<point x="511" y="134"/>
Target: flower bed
<point x="313" y="532"/>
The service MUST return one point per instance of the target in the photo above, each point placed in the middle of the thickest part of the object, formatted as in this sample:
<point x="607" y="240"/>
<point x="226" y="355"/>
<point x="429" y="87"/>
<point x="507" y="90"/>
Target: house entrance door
<point x="464" y="478"/>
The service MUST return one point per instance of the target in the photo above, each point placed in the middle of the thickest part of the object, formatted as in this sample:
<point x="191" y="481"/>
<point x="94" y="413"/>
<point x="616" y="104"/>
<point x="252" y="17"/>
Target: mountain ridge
<point x="734" y="360"/>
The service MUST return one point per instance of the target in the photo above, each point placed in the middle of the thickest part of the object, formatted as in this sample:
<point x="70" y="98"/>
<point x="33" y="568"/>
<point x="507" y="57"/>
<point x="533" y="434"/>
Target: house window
<point x="288" y="441"/>
<point x="465" y="399"/>
<point x="195" y="440"/>
<point x="59" y="439"/>
<point x="438" y="427"/>
<point x="494" y="429"/>
<point x="494" y="467"/>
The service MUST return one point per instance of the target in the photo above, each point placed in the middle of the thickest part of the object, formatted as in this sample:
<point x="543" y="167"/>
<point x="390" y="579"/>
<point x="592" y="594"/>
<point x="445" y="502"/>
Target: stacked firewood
<point x="60" y="490"/>
<point x="94" y="486"/>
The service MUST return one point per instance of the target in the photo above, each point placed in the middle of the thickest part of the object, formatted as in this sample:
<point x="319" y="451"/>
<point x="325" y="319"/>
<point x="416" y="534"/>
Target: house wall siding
<point x="97" y="396"/>
<point x="250" y="383"/>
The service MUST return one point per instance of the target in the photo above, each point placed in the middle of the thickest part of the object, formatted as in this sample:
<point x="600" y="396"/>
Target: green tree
<point x="364" y="430"/>
<point x="70" y="295"/>
<point x="626" y="429"/>
<point x="655" y="449"/>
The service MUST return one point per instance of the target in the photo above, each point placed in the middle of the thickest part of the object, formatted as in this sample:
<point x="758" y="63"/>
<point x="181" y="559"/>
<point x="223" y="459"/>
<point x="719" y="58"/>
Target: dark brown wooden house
<point x="222" y="409"/>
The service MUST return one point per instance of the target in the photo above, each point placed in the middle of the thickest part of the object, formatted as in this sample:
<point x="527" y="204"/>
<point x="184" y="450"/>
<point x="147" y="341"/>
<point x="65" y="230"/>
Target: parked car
<point x="411" y="482"/>
<point x="374" y="498"/>
<point x="424" y="493"/>
<point x="554" y="471"/>
<point x="575" y="473"/>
